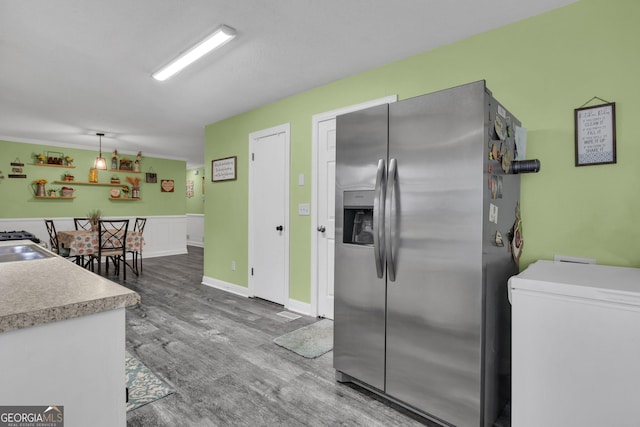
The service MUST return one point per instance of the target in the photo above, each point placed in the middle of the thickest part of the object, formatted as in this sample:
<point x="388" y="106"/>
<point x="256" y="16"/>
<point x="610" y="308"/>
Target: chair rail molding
<point x="163" y="235"/>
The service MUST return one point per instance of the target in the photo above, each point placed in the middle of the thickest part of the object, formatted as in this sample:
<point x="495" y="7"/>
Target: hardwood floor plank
<point x="215" y="349"/>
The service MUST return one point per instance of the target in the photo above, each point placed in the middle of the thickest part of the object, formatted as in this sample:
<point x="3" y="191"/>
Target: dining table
<point x="85" y="242"/>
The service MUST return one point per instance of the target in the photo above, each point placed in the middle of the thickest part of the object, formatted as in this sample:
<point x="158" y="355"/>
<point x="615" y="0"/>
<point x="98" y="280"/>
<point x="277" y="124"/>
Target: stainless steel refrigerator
<point x="426" y="204"/>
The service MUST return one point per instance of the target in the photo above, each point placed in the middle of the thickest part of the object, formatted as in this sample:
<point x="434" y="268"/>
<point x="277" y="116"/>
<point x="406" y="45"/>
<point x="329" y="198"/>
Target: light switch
<point x="301" y="180"/>
<point x="303" y="209"/>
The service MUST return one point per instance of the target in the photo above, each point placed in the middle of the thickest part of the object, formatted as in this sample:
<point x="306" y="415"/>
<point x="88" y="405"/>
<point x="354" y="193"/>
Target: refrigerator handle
<point x="378" y="219"/>
<point x="391" y="183"/>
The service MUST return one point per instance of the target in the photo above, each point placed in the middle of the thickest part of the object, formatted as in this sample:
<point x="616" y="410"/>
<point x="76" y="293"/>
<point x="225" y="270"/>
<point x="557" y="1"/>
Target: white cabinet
<point x="575" y="346"/>
<point x="75" y="363"/>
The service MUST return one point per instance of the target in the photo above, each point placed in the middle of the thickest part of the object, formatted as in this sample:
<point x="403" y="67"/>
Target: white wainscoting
<point x="163" y="235"/>
<point x="195" y="230"/>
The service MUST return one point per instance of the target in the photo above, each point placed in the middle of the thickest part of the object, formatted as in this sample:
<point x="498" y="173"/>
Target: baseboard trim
<point x="298" y="307"/>
<point x="156" y="254"/>
<point x="198" y="244"/>
<point x="225" y="286"/>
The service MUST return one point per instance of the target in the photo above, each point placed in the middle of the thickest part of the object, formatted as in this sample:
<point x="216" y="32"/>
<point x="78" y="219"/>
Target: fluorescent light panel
<point x="221" y="36"/>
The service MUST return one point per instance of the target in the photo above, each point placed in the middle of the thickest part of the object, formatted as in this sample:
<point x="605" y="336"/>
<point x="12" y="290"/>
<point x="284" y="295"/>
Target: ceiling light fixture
<point x="100" y="162"/>
<point x="219" y="37"/>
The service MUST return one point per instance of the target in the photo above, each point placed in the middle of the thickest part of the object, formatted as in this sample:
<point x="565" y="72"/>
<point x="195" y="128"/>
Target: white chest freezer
<point x="575" y="345"/>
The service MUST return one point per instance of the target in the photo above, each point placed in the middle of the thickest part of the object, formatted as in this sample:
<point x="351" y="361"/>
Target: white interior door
<point x="326" y="215"/>
<point x="269" y="222"/>
<point x="323" y="195"/>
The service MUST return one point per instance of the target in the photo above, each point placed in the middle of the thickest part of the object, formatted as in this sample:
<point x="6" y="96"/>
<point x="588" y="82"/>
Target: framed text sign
<point x="595" y="134"/>
<point x="223" y="169"/>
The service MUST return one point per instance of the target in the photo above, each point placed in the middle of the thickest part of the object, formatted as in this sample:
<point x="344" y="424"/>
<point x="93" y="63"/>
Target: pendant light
<point x="100" y="162"/>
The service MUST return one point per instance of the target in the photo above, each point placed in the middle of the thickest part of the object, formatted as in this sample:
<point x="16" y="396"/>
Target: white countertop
<point x="46" y="290"/>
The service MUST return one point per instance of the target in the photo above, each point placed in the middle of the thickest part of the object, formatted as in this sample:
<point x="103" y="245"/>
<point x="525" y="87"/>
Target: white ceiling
<point x="71" y="68"/>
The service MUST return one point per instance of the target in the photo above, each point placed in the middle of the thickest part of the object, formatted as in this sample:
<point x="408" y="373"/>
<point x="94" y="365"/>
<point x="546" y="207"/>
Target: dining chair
<point x="82" y="224"/>
<point x="53" y="240"/>
<point x="137" y="255"/>
<point x="112" y="245"/>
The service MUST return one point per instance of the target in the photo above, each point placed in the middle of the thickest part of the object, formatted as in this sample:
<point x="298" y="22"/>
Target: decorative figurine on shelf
<point x="136" y="165"/>
<point x="69" y="160"/>
<point x="114" y="160"/>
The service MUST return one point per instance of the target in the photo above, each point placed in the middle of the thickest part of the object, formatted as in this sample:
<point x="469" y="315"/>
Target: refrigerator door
<point x="359" y="317"/>
<point x="434" y="216"/>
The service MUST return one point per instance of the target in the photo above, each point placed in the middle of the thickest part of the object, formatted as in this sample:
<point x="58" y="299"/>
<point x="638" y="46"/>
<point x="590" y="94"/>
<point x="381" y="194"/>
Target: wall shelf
<point x="54" y="166"/>
<point x="127" y="199"/>
<point x="54" y="197"/>
<point x="123" y="170"/>
<point x="103" y="184"/>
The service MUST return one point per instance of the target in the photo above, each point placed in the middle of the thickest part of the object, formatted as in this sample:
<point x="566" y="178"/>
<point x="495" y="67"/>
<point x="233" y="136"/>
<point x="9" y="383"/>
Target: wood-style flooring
<point x="215" y="349"/>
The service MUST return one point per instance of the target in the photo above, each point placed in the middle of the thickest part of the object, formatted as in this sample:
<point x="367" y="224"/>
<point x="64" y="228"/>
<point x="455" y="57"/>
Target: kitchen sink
<point x="22" y="253"/>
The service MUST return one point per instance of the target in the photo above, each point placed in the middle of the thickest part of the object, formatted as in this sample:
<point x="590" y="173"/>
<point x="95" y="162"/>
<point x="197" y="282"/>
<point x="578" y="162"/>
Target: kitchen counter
<point x="41" y="291"/>
<point x="62" y="336"/>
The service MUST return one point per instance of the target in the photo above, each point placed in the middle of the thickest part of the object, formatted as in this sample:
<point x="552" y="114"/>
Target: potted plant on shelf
<point x="66" y="191"/>
<point x="125" y="191"/>
<point x="52" y="192"/>
<point x="115" y="179"/>
<point x="40" y="158"/>
<point x="69" y="160"/>
<point x="38" y="188"/>
<point x="135" y="186"/>
<point x="68" y="177"/>
<point x="125" y="164"/>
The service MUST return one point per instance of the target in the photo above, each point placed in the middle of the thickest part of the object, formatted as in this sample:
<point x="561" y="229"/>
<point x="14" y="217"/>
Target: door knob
<point x="322" y="229"/>
<point x="279" y="228"/>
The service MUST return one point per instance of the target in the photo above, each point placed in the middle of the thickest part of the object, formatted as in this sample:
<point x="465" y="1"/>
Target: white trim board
<point x="225" y="286"/>
<point x="315" y="121"/>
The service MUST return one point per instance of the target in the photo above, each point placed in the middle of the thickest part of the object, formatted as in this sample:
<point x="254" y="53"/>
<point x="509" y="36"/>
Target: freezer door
<point x="359" y="316"/>
<point x="434" y="216"/>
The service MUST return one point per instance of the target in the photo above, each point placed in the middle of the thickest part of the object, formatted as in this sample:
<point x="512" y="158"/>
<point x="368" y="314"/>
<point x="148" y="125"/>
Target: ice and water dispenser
<point x="358" y="217"/>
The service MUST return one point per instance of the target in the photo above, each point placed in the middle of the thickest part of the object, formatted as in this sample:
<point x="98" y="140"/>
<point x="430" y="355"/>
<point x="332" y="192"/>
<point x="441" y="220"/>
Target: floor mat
<point x="309" y="341"/>
<point x="144" y="387"/>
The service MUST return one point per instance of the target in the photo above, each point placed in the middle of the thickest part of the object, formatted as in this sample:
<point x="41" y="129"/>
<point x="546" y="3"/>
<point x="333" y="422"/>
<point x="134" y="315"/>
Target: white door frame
<point x="315" y="123"/>
<point x="286" y="130"/>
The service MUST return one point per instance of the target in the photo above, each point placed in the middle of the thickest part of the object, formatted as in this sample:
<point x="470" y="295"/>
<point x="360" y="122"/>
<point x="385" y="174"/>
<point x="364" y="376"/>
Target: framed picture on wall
<point x="167" y="186"/>
<point x="595" y="132"/>
<point x="224" y="169"/>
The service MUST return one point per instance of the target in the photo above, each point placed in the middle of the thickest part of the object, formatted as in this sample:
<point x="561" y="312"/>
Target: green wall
<point x="195" y="204"/>
<point x="541" y="69"/>
<point x="20" y="203"/>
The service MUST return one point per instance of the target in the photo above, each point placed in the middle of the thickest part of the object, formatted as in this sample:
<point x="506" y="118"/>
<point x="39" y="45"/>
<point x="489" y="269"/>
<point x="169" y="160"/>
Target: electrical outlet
<point x="233" y="265"/>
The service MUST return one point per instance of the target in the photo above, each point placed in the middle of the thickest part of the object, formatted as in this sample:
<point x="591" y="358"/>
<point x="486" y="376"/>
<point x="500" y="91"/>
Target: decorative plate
<point x="115" y="192"/>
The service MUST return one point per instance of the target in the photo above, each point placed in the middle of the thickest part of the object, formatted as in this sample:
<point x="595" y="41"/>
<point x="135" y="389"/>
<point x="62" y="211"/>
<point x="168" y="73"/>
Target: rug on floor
<point x="144" y="386"/>
<point x="310" y="341"/>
